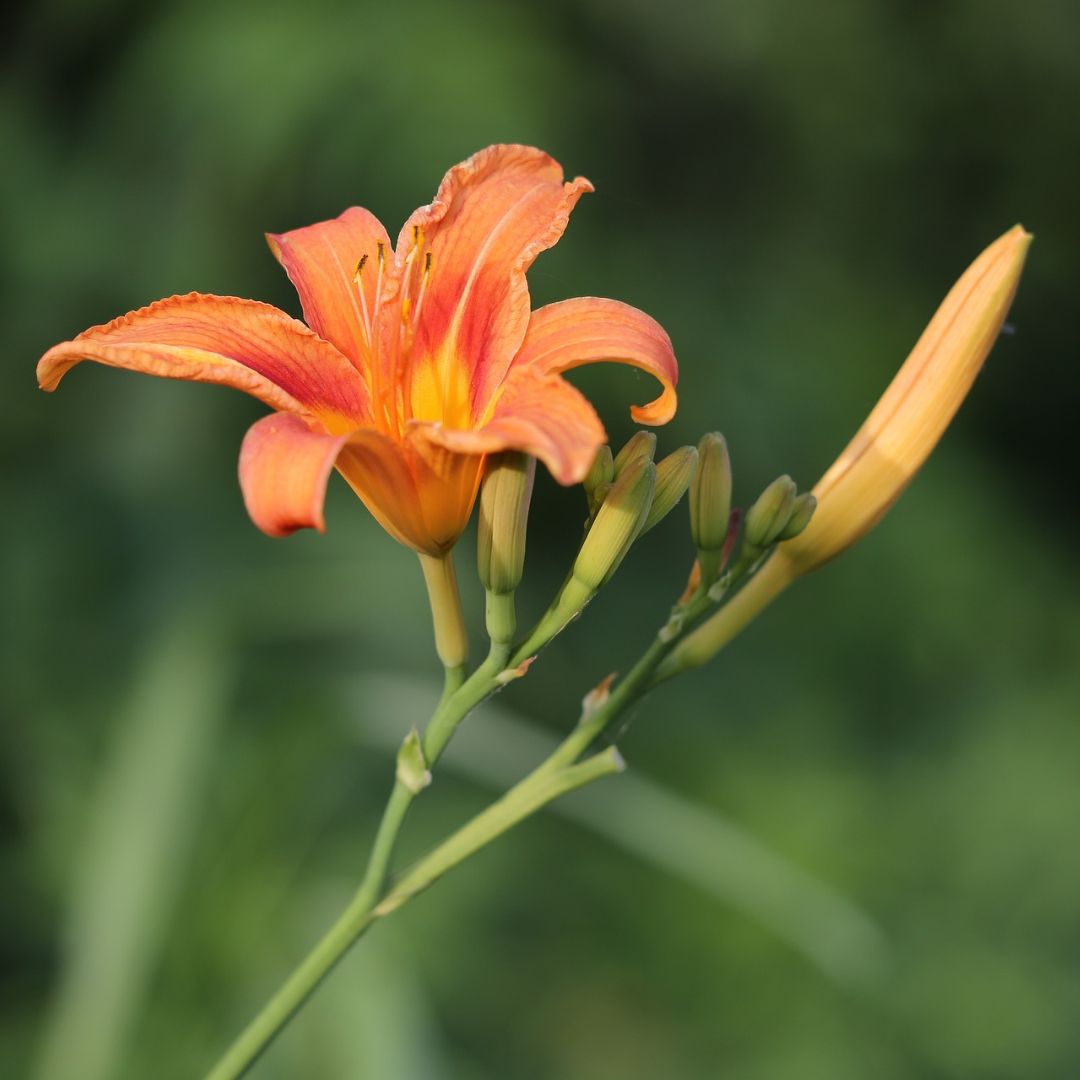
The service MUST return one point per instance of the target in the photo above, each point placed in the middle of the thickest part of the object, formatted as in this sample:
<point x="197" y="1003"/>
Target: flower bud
<point x="891" y="446"/>
<point x="598" y="480"/>
<point x="617" y="525"/>
<point x="766" y="519"/>
<point x="672" y="479"/>
<point x="710" y="502"/>
<point x="412" y="767"/>
<point x="904" y="427"/>
<point x="801" y="512"/>
<point x="642" y="445"/>
<point x="500" y="538"/>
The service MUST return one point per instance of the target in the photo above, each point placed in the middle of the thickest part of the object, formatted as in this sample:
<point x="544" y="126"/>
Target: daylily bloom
<point x="892" y="445"/>
<point x="416" y="362"/>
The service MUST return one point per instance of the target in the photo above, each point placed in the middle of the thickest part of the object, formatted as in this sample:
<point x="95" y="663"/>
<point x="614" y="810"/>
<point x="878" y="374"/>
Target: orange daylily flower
<point x="416" y="361"/>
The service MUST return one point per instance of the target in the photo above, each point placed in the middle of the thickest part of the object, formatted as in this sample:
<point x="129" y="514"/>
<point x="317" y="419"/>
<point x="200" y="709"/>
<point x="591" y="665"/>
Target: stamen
<point x="425" y="274"/>
<point x="363" y="298"/>
<point x="423" y="289"/>
<point x="380" y="248"/>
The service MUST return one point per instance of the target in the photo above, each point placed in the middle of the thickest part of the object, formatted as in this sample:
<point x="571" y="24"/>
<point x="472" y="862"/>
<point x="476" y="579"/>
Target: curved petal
<point x="591" y="330"/>
<point x="493" y="214"/>
<point x="284" y="466"/>
<point x="420" y="493"/>
<point x="221" y="339"/>
<point x="540" y="414"/>
<point x="321" y="261"/>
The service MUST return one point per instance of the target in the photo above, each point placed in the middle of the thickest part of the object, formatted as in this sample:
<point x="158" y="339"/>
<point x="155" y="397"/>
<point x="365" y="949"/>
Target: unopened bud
<point x="500" y="540"/>
<point x="767" y="518"/>
<point x="617" y="525"/>
<point x="642" y="445"/>
<point x="597" y="482"/>
<point x="672" y="479"/>
<point x="888" y="450"/>
<point x="801" y="512"/>
<point x="710" y="502"/>
<point x="504" y="514"/>
<point x="412" y="768"/>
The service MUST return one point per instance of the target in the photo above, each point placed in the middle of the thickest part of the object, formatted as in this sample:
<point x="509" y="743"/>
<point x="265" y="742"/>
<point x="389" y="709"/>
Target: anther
<point x="361" y="263"/>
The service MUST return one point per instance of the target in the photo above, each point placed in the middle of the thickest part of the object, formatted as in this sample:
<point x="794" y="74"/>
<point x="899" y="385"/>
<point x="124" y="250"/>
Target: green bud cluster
<point x="769" y="515"/>
<point x="628" y="494"/>
<point x="779" y="514"/>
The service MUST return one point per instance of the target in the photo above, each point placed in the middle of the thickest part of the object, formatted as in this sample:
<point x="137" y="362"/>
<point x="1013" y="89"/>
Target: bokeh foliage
<point x="190" y="762"/>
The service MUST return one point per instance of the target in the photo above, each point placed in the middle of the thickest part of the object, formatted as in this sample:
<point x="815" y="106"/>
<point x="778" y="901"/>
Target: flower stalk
<point x="451" y="638"/>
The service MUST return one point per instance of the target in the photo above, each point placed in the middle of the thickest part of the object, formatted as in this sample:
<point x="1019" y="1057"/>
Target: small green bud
<point x="412" y="768"/>
<point x="766" y="519"/>
<point x="642" y="445"/>
<point x="801" y="513"/>
<point x="504" y="514"/>
<point x="672" y="479"/>
<point x="599" y="478"/>
<point x="710" y="502"/>
<point x="617" y="525"/>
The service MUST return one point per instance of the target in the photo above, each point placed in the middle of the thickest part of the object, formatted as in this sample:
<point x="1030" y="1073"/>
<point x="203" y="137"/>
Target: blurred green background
<point x="846" y="849"/>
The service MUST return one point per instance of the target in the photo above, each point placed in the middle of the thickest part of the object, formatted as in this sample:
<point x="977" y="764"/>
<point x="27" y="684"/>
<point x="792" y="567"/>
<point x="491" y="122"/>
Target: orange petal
<point x="321" y="262"/>
<point x="589" y="330"/>
<point x="284" y="466"/>
<point x="421" y="493"/>
<point x="221" y="339"/>
<point x="540" y="414"/>
<point x="492" y="216"/>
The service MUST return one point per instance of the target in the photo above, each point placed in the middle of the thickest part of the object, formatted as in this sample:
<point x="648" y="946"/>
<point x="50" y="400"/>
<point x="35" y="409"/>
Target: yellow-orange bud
<point x="890" y="447"/>
<point x="912" y="415"/>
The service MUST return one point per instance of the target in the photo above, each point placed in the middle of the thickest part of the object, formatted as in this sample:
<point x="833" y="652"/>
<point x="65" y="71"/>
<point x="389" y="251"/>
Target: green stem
<point x="352" y="922"/>
<point x="633" y="686"/>
<point x="451" y="638"/>
<point x="555" y="776"/>
<point x="521" y="801"/>
<point x="449" y="713"/>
